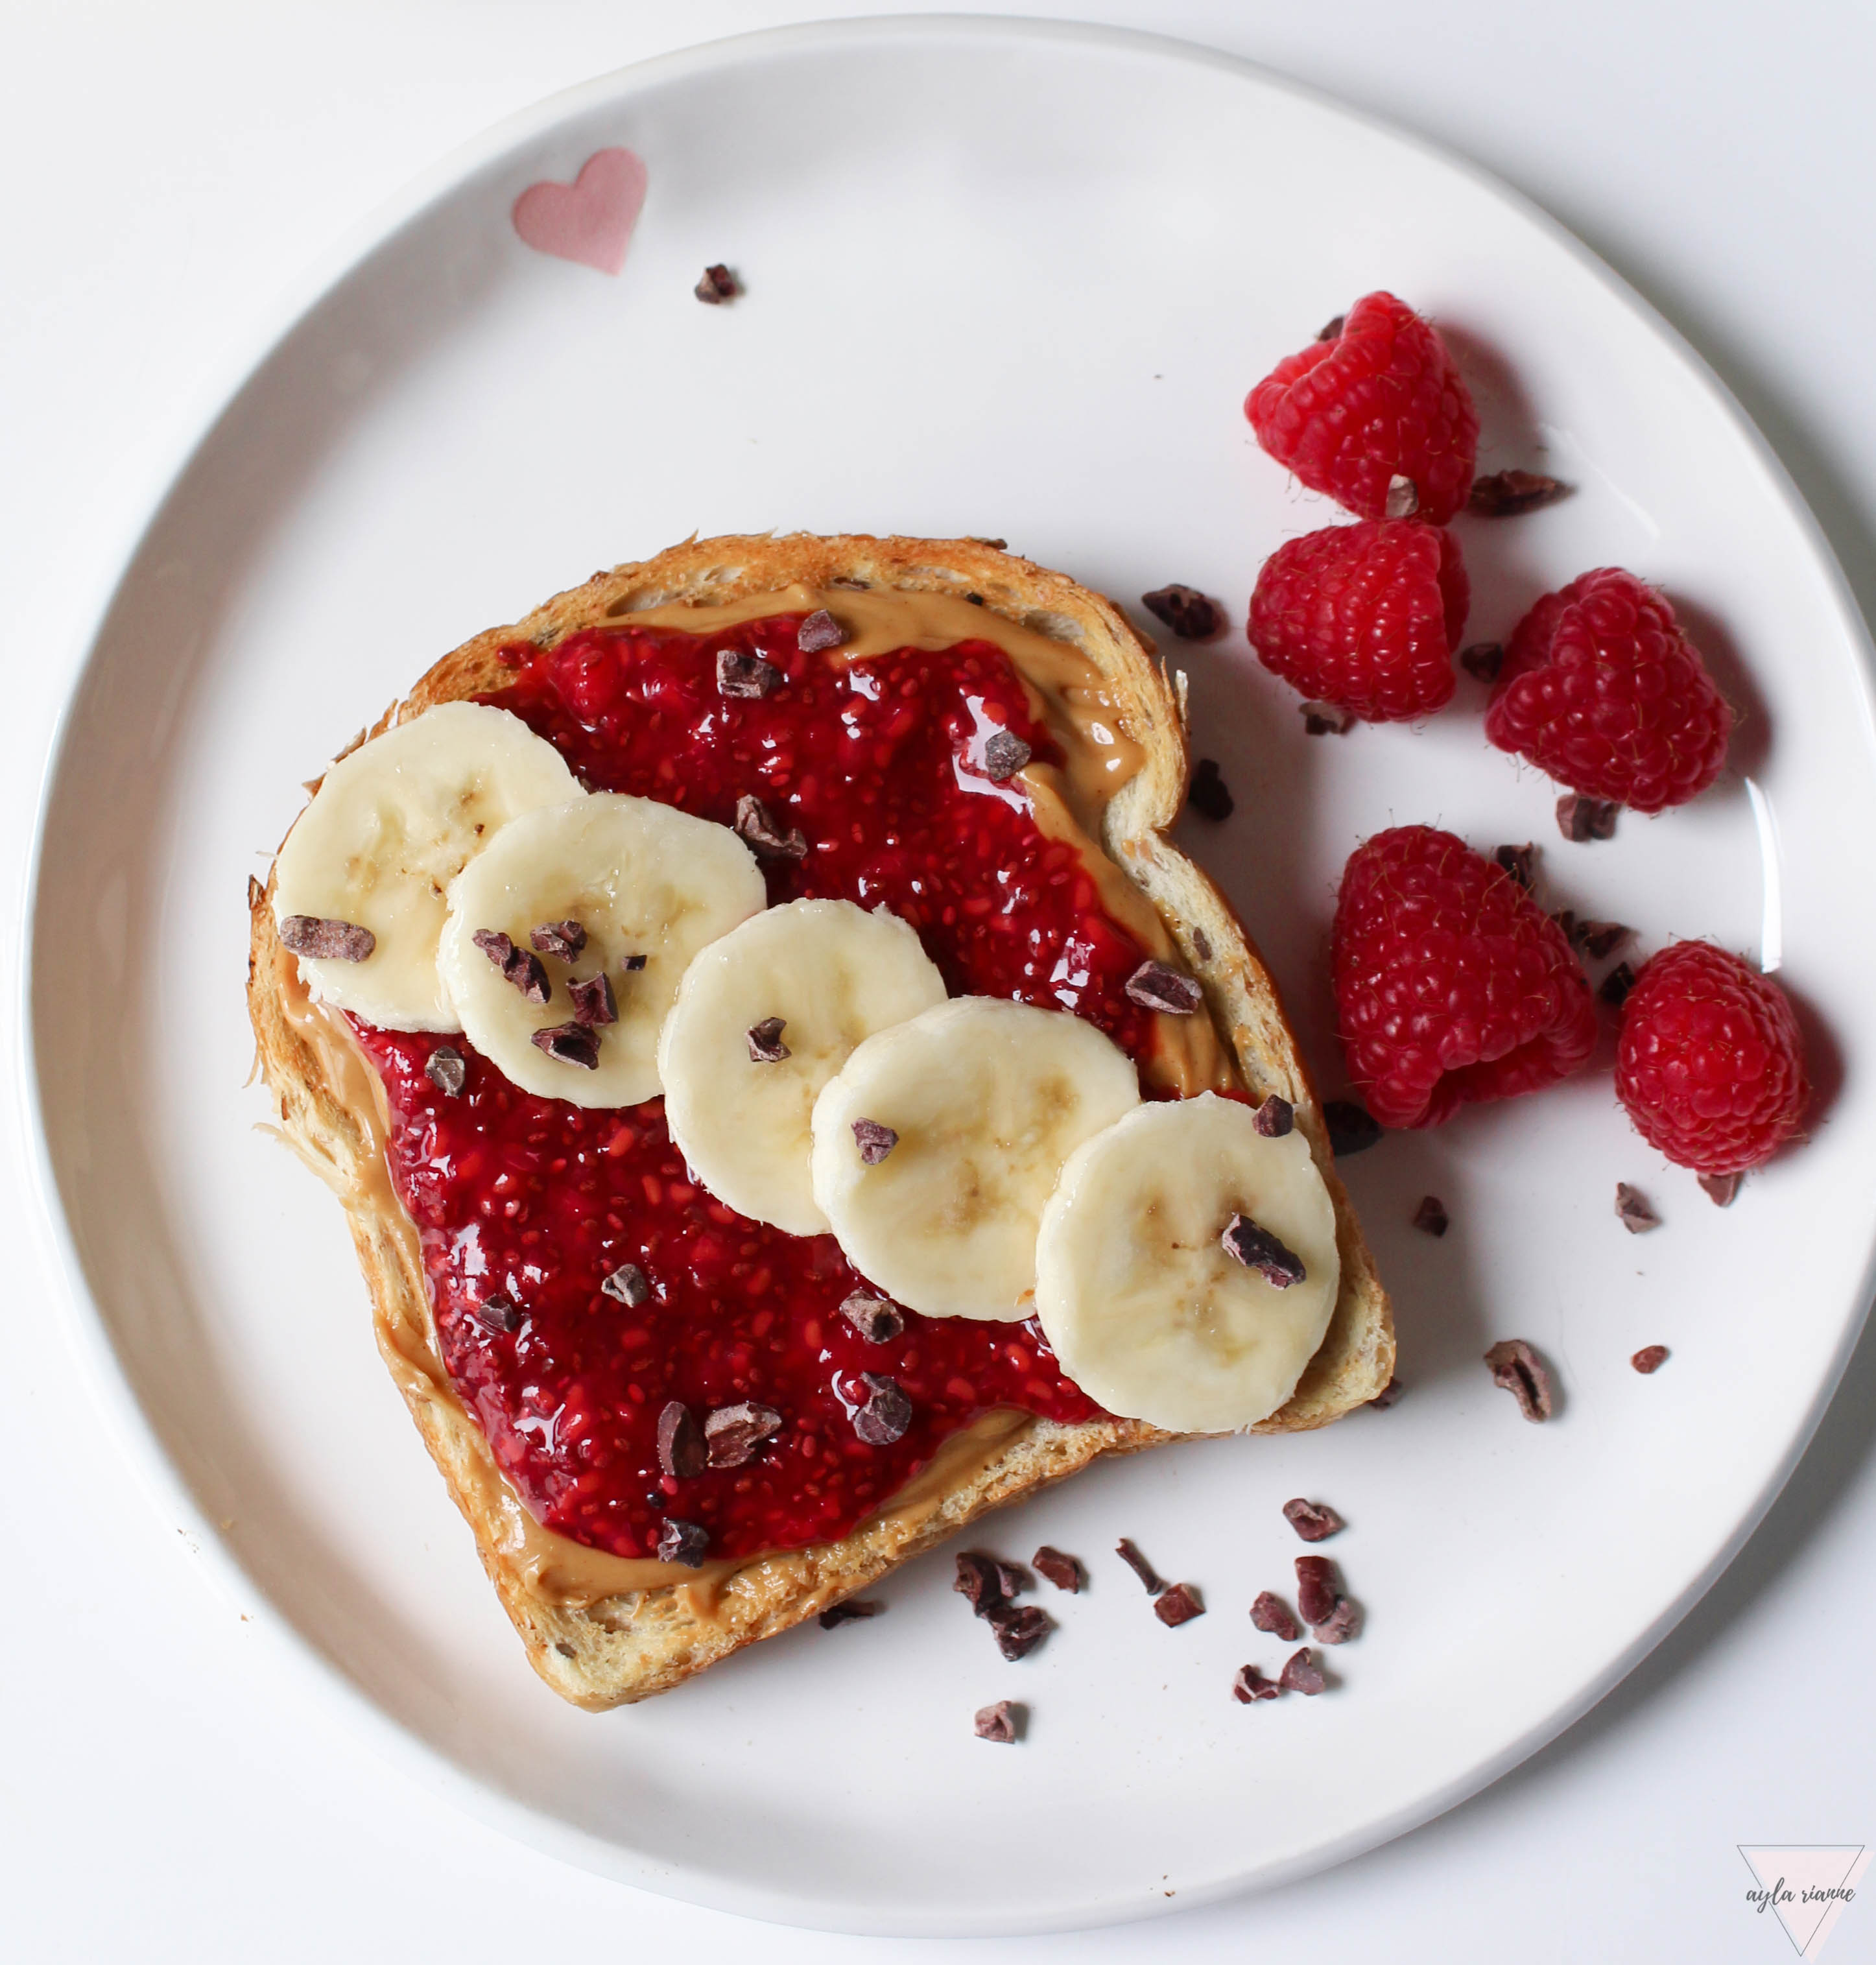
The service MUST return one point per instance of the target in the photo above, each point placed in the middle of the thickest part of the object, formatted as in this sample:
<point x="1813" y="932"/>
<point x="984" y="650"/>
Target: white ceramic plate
<point x="1001" y="279"/>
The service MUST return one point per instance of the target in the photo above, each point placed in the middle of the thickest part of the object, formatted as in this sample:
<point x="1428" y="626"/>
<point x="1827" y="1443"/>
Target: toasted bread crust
<point x="629" y="1646"/>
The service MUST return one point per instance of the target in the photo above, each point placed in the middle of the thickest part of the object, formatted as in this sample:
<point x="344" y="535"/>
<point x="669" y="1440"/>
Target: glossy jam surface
<point x="879" y="765"/>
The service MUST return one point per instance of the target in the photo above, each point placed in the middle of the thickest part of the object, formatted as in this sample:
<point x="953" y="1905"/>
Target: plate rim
<point x="83" y="1321"/>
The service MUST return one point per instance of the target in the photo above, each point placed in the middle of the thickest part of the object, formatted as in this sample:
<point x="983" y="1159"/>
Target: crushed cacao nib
<point x="1011" y="1578"/>
<point x="1504" y="494"/>
<point x="681" y="1450"/>
<point x="1131" y="1556"/>
<point x="1318" y="1592"/>
<point x="1153" y="986"/>
<point x="1387" y="1395"/>
<point x="1275" y="1118"/>
<point x="1632" y="1209"/>
<point x="682" y="1541"/>
<point x="1004" y="755"/>
<point x="1352" y="1129"/>
<point x="499" y="1313"/>
<point x="819" y="630"/>
<point x="517" y="966"/>
<point x="627" y="1284"/>
<point x="1482" y="661"/>
<point x="1190" y="614"/>
<point x="1430" y="1217"/>
<point x="1178" y="1605"/>
<point x="1201" y="944"/>
<point x="1342" y="1623"/>
<point x="1599" y="939"/>
<point x="1580" y="819"/>
<point x="874" y="1141"/>
<point x="448" y="1070"/>
<point x="1300" y="1674"/>
<point x="568" y="1043"/>
<point x="1312" y="1520"/>
<point x="1209" y="795"/>
<point x="1002" y="1722"/>
<point x="326" y="940"/>
<point x="1520" y="863"/>
<point x="632" y="964"/>
<point x="1325" y="719"/>
<point x="980" y="1581"/>
<point x="837" y="1614"/>
<point x="745" y="675"/>
<point x="1332" y="330"/>
<point x="1257" y="1248"/>
<point x="732" y="1434"/>
<point x="1519" y="1369"/>
<point x="717" y="285"/>
<point x="873" y="1317"/>
<point x="1403" y="498"/>
<point x="1250" y="1684"/>
<point x="1617" y="984"/>
<point x="1721" y="1189"/>
<point x="765" y="1041"/>
<point x="1650" y="1358"/>
<point x="1064" y="1571"/>
<point x="1270" y="1612"/>
<point x="756" y="827"/>
<point x="887" y="1412"/>
<point x="565" y="939"/>
<point x="594" y="1004"/>
<point x="1018" y="1630"/>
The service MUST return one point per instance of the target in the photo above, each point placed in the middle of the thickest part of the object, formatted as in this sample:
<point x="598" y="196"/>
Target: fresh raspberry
<point x="1451" y="983"/>
<point x="1381" y="400"/>
<point x="1365" y="616"/>
<point x="1709" y="1063"/>
<point x="1602" y="690"/>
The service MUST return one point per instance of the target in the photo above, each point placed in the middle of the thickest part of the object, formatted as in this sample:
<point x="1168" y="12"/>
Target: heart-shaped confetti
<point x="590" y="220"/>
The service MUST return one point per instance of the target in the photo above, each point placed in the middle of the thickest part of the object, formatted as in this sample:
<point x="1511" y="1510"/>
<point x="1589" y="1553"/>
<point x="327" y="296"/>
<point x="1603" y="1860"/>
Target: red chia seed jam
<point x="879" y="763"/>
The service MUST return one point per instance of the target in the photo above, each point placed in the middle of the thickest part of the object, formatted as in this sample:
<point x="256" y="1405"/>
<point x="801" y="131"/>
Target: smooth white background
<point x="167" y="172"/>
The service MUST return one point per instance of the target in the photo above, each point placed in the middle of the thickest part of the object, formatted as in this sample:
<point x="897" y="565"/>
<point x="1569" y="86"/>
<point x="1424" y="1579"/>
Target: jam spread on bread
<point x="529" y="1204"/>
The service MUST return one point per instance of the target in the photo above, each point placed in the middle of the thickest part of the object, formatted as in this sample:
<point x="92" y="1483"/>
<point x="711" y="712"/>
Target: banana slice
<point x="615" y="895"/>
<point x="389" y="829"/>
<point x="940" y="1141"/>
<point x="739" y="1092"/>
<point x="1148" y="1311"/>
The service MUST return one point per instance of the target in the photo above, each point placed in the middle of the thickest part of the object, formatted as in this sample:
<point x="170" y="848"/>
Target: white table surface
<point x="168" y="170"/>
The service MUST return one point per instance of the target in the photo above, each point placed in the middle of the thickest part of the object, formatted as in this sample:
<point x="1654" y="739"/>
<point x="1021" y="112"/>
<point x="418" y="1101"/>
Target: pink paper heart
<point x="591" y="219"/>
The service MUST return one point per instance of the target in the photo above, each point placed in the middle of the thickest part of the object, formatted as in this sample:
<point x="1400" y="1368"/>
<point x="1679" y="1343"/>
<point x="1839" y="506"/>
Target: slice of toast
<point x="599" y="1645"/>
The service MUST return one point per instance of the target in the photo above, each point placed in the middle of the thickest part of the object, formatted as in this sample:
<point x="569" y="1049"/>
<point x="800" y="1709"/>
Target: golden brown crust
<point x="628" y="1646"/>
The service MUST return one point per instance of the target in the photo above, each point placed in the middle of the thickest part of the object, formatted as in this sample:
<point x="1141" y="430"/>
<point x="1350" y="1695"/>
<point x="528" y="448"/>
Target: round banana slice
<point x="367" y="867"/>
<point x="940" y="1141"/>
<point x="763" y="1019"/>
<point x="567" y="939"/>
<point x="1148" y="1310"/>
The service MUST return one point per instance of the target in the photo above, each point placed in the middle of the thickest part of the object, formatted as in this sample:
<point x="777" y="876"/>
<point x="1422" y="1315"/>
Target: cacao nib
<point x="1312" y="1520"/>
<point x="887" y="1412"/>
<point x="564" y="939"/>
<point x="568" y="1043"/>
<point x="1617" y="984"/>
<point x="1352" y="1129"/>
<point x="1275" y="1118"/>
<point x="1387" y="1395"/>
<point x="732" y="1434"/>
<point x="1482" y="661"/>
<point x="756" y="828"/>
<point x="1002" y="1722"/>
<point x="1178" y="1605"/>
<point x="1332" y="330"/>
<point x="837" y="1614"/>
<point x="1721" y="1189"/>
<point x="682" y="1541"/>
<point x="1257" y="1248"/>
<point x="1153" y="986"/>
<point x="745" y="675"/>
<point x="874" y="1141"/>
<point x="1342" y="1623"/>
<point x="1650" y="1358"/>
<point x="627" y="1284"/>
<point x="326" y="940"/>
<point x="594" y="1004"/>
<point x="1403" y="498"/>
<point x="681" y="1450"/>
<point x="1190" y="615"/>
<point x="448" y="1070"/>
<point x="632" y="964"/>
<point x="1430" y="1217"/>
<point x="1018" y="1630"/>
<point x="1506" y="493"/>
<point x="517" y="966"/>
<point x="1135" y="1561"/>
<point x="1580" y="819"/>
<point x="1300" y="1674"/>
<point x="1317" y="1590"/>
<point x="1599" y="939"/>
<point x="1250" y="1684"/>
<point x="979" y="1580"/>
<point x="876" y="1320"/>
<point x="1632" y="1211"/>
<point x="1064" y="1571"/>
<point x="1270" y="1612"/>
<point x="765" y="1041"/>
<point x="819" y="630"/>
<point x="1520" y="863"/>
<point x="1209" y="795"/>
<point x="1004" y="755"/>
<point x="1326" y="719"/>
<point x="1519" y="1369"/>
<point x="499" y="1313"/>
<point x="717" y="285"/>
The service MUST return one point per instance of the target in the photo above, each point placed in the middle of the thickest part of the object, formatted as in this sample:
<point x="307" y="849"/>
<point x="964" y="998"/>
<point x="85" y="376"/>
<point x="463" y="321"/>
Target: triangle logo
<point x="1806" y="1885"/>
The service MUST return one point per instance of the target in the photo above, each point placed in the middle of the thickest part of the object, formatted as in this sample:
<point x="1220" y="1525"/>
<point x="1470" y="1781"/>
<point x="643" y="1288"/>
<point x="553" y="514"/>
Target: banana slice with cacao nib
<point x="1186" y="1266"/>
<point x="764" y="1017"/>
<point x="360" y="886"/>
<point x="939" y="1142"/>
<point x="567" y="938"/>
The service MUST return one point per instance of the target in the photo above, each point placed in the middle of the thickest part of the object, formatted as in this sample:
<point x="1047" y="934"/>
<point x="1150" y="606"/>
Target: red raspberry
<point x="1365" y="616"/>
<point x="1601" y="690"/>
<point x="1381" y="400"/>
<point x="1451" y="983"/>
<point x="1709" y="1063"/>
